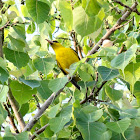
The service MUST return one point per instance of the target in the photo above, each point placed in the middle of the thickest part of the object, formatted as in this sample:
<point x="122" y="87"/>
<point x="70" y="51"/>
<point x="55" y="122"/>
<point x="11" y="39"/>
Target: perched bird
<point x="64" y="57"/>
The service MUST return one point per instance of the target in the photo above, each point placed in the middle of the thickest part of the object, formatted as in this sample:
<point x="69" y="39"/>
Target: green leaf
<point x="91" y="6"/>
<point x="31" y="28"/>
<point x="113" y="94"/>
<point x="66" y="12"/>
<point x="137" y="91"/>
<point x="24" y="109"/>
<point x="43" y="90"/>
<point x="58" y="83"/>
<point x="18" y="32"/>
<point x="85" y="118"/>
<point x="57" y="123"/>
<point x="53" y="111"/>
<point x="107" y="73"/>
<point x="132" y="73"/>
<point x="84" y="72"/>
<point x="38" y="10"/>
<point x="44" y="65"/>
<point x="22" y="92"/>
<point x="85" y="25"/>
<point x="66" y="133"/>
<point x="3" y="75"/>
<point x="90" y="130"/>
<point x="113" y="113"/>
<point x="30" y="83"/>
<point x="48" y="132"/>
<point x="16" y="44"/>
<point x="119" y="126"/>
<point x="3" y="114"/>
<point x="107" y="135"/>
<point x="3" y="63"/>
<point x="19" y="59"/>
<point x="130" y="113"/>
<point x="122" y="60"/>
<point x="3" y="93"/>
<point x="22" y="136"/>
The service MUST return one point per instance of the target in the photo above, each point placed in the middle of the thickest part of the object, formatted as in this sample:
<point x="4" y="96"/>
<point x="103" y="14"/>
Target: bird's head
<point x="54" y="43"/>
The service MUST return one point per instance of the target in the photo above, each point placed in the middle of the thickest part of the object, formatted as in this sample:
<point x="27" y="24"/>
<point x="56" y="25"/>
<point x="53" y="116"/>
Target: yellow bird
<point x="64" y="57"/>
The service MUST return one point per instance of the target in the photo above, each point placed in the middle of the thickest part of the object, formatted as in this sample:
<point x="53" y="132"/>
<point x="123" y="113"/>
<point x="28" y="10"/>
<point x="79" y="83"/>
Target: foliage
<point x="109" y="81"/>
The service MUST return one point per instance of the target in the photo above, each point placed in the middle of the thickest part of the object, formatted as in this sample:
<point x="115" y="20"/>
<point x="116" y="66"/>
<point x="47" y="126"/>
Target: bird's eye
<point x="55" y="41"/>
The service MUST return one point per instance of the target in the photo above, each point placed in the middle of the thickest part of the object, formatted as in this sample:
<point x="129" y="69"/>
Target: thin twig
<point x="95" y="94"/>
<point x="96" y="80"/>
<point x="122" y="4"/>
<point x="39" y="131"/>
<point x="123" y="24"/>
<point x="38" y="105"/>
<point x="120" y="51"/>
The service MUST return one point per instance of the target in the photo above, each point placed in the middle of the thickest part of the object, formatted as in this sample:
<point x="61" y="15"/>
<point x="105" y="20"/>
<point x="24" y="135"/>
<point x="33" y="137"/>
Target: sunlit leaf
<point x="122" y="60"/>
<point x="85" y="25"/>
<point x="38" y="10"/>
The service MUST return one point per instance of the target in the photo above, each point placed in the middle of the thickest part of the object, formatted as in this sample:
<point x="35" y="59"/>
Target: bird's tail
<point x="75" y="83"/>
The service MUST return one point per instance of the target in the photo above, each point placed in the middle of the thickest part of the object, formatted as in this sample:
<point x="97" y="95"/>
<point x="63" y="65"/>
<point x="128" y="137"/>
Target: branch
<point x="116" y="1"/>
<point x="77" y="47"/>
<point x="7" y="24"/>
<point x="11" y="118"/>
<point x="40" y="111"/>
<point x="122" y="4"/>
<point x="91" y="94"/>
<point x="39" y="131"/>
<point x="1" y="34"/>
<point x="111" y="31"/>
<point x="15" y="107"/>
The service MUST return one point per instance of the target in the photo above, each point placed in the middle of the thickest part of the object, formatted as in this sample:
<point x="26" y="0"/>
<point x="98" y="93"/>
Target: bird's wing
<point x="76" y="53"/>
<point x="61" y="68"/>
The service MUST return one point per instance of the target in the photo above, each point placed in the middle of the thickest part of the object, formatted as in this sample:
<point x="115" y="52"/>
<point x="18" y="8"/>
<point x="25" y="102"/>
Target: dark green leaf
<point x="3" y="75"/>
<point x="22" y="92"/>
<point x="57" y="84"/>
<point x="107" y="73"/>
<point x="113" y="94"/>
<point x="19" y="59"/>
<point x="119" y="126"/>
<point x="43" y="90"/>
<point x="30" y="83"/>
<point x="44" y="65"/>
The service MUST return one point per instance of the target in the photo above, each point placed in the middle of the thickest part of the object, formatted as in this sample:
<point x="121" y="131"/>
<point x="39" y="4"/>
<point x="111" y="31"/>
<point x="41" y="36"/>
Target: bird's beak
<point x="49" y="41"/>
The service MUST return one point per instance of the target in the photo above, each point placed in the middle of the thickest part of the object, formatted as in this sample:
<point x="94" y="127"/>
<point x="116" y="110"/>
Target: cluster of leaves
<point x="28" y="67"/>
